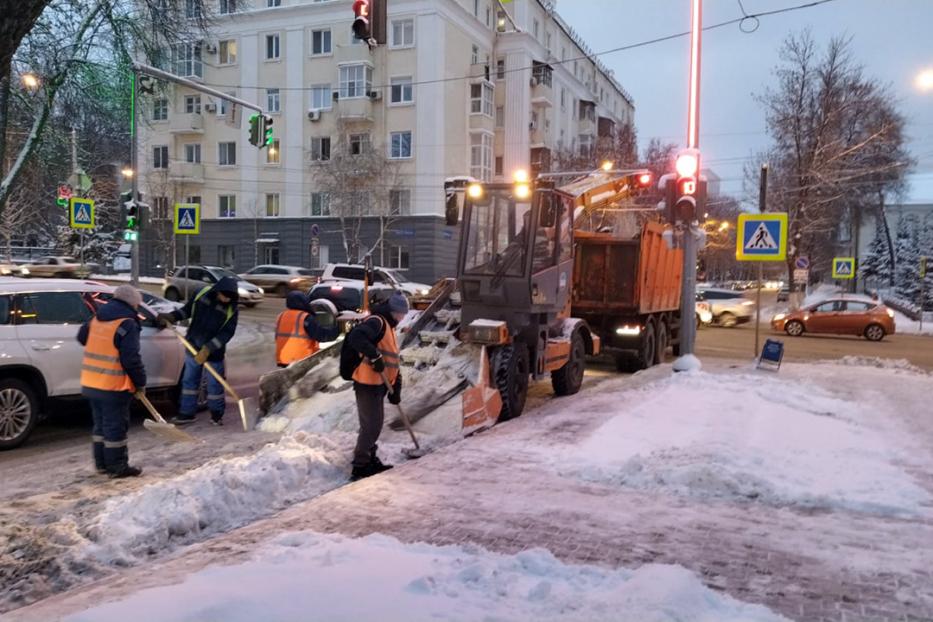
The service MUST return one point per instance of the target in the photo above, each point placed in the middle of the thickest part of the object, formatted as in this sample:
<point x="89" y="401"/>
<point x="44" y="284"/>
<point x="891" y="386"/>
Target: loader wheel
<point x="568" y="379"/>
<point x="648" y="347"/>
<point x="511" y="370"/>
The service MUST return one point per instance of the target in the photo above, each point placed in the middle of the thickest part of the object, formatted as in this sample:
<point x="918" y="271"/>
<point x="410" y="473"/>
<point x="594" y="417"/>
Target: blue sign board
<point x="771" y="355"/>
<point x="81" y="213"/>
<point x="761" y="237"/>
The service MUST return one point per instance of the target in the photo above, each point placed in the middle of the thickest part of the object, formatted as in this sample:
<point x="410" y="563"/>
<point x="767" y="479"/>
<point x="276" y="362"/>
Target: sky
<point x="891" y="38"/>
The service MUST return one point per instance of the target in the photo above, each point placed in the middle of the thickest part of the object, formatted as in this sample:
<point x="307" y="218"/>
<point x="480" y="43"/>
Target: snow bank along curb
<point x="303" y="576"/>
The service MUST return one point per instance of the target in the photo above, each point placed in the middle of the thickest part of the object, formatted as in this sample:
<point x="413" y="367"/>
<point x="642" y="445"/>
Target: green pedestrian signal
<point x="130" y="236"/>
<point x="255" y="130"/>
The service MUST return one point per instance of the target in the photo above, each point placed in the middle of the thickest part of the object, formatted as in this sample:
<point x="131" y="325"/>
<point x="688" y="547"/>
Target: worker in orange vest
<point x="112" y="372"/>
<point x="302" y="327"/>
<point x="374" y="342"/>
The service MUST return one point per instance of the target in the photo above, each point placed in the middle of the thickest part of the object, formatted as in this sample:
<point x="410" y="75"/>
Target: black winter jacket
<point x="213" y="323"/>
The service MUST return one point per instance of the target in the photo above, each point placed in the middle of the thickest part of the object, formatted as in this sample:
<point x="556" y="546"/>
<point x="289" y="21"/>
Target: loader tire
<point x="568" y="379"/>
<point x="511" y="370"/>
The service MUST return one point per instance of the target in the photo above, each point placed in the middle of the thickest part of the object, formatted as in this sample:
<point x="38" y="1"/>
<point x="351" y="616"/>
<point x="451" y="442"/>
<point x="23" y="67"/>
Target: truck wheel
<point x="662" y="343"/>
<point x="19" y="412"/>
<point x="568" y="379"/>
<point x="511" y="370"/>
<point x="648" y="347"/>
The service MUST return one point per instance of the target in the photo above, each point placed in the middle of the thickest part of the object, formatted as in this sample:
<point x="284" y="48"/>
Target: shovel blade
<point x="482" y="403"/>
<point x="249" y="413"/>
<point x="169" y="432"/>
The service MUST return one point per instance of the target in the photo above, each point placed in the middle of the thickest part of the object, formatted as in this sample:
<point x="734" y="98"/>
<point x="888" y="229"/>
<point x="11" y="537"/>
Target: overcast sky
<point x="891" y="38"/>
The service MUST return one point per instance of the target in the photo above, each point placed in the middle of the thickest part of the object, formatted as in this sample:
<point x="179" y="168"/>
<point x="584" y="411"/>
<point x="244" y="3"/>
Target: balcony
<point x="186" y="172"/>
<point x="541" y="92"/>
<point x="188" y="123"/>
<point x="354" y="109"/>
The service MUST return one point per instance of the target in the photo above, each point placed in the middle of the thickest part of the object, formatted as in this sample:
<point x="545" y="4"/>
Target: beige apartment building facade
<point x="460" y="89"/>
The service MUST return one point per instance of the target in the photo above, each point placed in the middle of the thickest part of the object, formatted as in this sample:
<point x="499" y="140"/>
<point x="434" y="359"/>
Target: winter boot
<point x="216" y="419"/>
<point x="125" y="470"/>
<point x="183" y="419"/>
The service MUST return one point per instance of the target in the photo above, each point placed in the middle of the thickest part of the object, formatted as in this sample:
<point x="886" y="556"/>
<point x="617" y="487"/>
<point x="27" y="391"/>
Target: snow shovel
<point x="482" y="402"/>
<point x="158" y="425"/>
<point x="249" y="412"/>
<point x="416" y="452"/>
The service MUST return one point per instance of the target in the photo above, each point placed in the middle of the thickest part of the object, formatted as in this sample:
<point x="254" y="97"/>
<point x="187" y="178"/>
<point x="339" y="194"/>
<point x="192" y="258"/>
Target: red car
<point x="841" y="315"/>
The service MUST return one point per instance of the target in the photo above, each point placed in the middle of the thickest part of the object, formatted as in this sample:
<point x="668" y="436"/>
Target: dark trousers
<point x="111" y="414"/>
<point x="370" y="407"/>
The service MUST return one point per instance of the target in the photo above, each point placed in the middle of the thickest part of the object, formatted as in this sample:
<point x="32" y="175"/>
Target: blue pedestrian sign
<point x="81" y="213"/>
<point x="771" y="355"/>
<point x="761" y="237"/>
<point x="188" y="218"/>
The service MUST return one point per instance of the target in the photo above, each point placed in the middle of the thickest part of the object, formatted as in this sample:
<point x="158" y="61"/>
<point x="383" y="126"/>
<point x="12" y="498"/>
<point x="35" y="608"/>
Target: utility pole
<point x="134" y="180"/>
<point x="762" y="205"/>
<point x="76" y="175"/>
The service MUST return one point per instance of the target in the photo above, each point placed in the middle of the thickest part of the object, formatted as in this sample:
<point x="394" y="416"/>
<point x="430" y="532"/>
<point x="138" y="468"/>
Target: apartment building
<point x="462" y="87"/>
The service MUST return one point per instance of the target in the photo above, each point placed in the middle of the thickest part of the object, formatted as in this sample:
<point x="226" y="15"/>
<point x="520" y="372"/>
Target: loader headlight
<point x="490" y="332"/>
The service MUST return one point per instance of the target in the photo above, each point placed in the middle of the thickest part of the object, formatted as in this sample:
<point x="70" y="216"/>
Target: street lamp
<point x="924" y="80"/>
<point x="31" y="81"/>
<point x="127" y="172"/>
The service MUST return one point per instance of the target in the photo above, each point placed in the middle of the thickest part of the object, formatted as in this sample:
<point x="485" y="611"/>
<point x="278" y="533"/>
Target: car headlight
<point x="748" y="303"/>
<point x="242" y="291"/>
<point x="779" y="317"/>
<point x="890" y="313"/>
<point x="25" y="271"/>
<point x="261" y="290"/>
<point x="425" y="291"/>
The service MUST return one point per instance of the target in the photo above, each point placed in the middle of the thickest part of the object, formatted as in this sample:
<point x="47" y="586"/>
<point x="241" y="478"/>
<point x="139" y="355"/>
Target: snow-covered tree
<point x="926" y="250"/>
<point x="907" y="269"/>
<point x="876" y="265"/>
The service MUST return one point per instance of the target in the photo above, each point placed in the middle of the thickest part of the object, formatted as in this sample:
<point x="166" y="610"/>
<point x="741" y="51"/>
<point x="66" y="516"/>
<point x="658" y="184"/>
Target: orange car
<point x="841" y="315"/>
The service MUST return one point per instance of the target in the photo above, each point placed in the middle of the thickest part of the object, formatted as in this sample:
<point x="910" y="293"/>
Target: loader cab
<point x="515" y="259"/>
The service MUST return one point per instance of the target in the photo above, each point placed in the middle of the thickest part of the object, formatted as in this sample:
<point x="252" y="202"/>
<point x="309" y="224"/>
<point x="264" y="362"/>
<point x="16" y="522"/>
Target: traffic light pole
<point x="134" y="180"/>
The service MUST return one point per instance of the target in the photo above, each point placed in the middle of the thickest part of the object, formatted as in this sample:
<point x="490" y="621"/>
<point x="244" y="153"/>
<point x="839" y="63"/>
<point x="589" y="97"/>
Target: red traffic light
<point x="361" y="8"/>
<point x="361" y="25"/>
<point x="688" y="163"/>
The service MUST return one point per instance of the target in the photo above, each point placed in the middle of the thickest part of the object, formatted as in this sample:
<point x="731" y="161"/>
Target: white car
<point x="40" y="357"/>
<point x="383" y="276"/>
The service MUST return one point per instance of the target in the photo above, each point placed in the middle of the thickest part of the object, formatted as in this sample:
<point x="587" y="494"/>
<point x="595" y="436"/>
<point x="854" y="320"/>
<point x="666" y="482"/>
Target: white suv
<point x="40" y="357"/>
<point x="382" y="276"/>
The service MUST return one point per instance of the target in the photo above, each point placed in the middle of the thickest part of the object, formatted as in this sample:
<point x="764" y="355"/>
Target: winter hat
<point x="398" y="303"/>
<point x="128" y="294"/>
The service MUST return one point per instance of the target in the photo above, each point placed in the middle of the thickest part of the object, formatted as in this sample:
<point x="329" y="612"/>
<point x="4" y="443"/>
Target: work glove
<point x="395" y="397"/>
<point x="164" y="320"/>
<point x="140" y="394"/>
<point x="201" y="357"/>
<point x="378" y="364"/>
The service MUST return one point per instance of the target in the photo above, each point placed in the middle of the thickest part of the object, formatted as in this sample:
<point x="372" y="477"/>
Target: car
<point x="58" y="267"/>
<point x="280" y="279"/>
<point x="10" y="269"/>
<point x="189" y="280"/>
<point x="728" y="307"/>
<point x="382" y="276"/>
<point x="783" y="294"/>
<point x="348" y="295"/>
<point x="839" y="315"/>
<point x="123" y="259"/>
<point x="41" y="362"/>
<point x="703" y="313"/>
<point x="158" y="303"/>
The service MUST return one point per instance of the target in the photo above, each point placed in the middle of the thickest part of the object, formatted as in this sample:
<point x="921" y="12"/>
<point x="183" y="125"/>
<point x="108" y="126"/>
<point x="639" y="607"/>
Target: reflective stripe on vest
<point x="292" y="343"/>
<point x="221" y="308"/>
<point x="101" y="367"/>
<point x="388" y="347"/>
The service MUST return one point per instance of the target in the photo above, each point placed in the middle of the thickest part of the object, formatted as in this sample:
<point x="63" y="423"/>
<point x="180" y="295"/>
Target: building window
<point x="320" y="204"/>
<point x="499" y="165"/>
<point x="160" y="109"/>
<point x="488" y="16"/>
<point x="402" y="91"/>
<point x="481" y="156"/>
<point x="226" y="255"/>
<point x="547" y="41"/>
<point x="476" y="8"/>
<point x="474" y="55"/>
<point x="563" y="98"/>
<point x="227" y="206"/>
<point x="192" y="9"/>
<point x="399" y="202"/>
<point x="273" y="154"/>
<point x="187" y="60"/>
<point x="403" y="33"/>
<point x="535" y="28"/>
<point x="500" y="69"/>
<point x="192" y="104"/>
<point x="355" y="80"/>
<point x="586" y="145"/>
<point x="400" y="145"/>
<point x="194" y="199"/>
<point x="481" y="99"/>
<point x="226" y="154"/>
<point x="359" y="144"/>
<point x="320" y="148"/>
<point x="160" y="208"/>
<point x="500" y="116"/>
<point x="321" y="97"/>
<point x="321" y="42"/>
<point x="273" y="3"/>
<point x="272" y="205"/>
<point x="226" y="52"/>
<point x="227" y="7"/>
<point x="272" y="100"/>
<point x="224" y="105"/>
<point x="272" y="47"/>
<point x="193" y="153"/>
<point x="398" y="257"/>
<point x="160" y="156"/>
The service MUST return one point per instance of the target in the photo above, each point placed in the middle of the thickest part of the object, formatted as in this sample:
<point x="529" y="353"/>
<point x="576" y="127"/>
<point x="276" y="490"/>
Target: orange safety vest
<point x="292" y="343"/>
<point x="388" y="347"/>
<point x="101" y="367"/>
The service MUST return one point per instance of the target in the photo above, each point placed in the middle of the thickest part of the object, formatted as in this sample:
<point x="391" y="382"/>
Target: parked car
<point x="783" y="294"/>
<point x="840" y="315"/>
<point x="382" y="276"/>
<point x="59" y="267"/>
<point x="192" y="279"/>
<point x="280" y="279"/>
<point x="348" y="295"/>
<point x="158" y="303"/>
<point x="39" y="322"/>
<point x="727" y="306"/>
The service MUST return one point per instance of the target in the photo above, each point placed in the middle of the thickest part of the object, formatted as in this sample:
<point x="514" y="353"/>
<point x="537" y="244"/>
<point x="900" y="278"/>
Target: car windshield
<point x="222" y="272"/>
<point x="69" y="260"/>
<point x="398" y="276"/>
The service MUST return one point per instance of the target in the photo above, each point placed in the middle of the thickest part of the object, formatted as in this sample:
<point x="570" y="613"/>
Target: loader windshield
<point x="496" y="242"/>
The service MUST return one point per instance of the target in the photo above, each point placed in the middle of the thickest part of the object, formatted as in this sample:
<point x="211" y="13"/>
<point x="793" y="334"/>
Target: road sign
<point x="81" y="213"/>
<point x="771" y="355"/>
<point x="315" y="230"/>
<point x="761" y="237"/>
<point x="802" y="263"/>
<point x="843" y="267"/>
<point x="315" y="247"/>
<point x="188" y="218"/>
<point x="801" y="276"/>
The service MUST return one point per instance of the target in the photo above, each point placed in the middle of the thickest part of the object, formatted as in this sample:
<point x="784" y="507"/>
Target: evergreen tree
<point x="876" y="265"/>
<point x="907" y="269"/>
<point x="926" y="250"/>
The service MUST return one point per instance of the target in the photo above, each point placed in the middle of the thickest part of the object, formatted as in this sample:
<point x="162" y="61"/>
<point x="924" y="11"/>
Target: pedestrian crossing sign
<point x="843" y="267"/>
<point x="188" y="218"/>
<point x="761" y="237"/>
<point x="81" y="213"/>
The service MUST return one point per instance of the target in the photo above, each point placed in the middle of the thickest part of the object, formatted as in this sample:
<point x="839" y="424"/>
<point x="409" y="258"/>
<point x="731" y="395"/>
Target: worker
<point x="112" y="372"/>
<point x="213" y="314"/>
<point x="302" y="326"/>
<point x="374" y="341"/>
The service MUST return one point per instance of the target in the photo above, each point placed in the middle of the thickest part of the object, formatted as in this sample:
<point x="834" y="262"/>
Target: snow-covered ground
<point x="906" y="326"/>
<point x="308" y="576"/>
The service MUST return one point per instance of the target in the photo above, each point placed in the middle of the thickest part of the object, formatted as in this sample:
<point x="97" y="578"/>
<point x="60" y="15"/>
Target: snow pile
<point x="307" y="576"/>
<point x="875" y="362"/>
<point x="735" y="436"/>
<point x="688" y="363"/>
<point x="906" y="326"/>
<point x="221" y="495"/>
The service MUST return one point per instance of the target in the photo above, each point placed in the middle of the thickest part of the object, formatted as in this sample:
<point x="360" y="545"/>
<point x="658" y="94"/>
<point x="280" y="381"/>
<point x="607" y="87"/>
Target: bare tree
<point x="619" y="147"/>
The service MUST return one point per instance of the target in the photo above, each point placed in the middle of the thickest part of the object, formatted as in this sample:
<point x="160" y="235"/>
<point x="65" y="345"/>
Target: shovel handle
<point x="210" y="369"/>
<point x="404" y="417"/>
<point x="152" y="409"/>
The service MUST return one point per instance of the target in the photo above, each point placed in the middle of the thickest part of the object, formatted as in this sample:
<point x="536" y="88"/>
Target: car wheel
<point x="727" y="320"/>
<point x="875" y="332"/>
<point x="19" y="412"/>
<point x="281" y="290"/>
<point x="794" y="328"/>
<point x="172" y="294"/>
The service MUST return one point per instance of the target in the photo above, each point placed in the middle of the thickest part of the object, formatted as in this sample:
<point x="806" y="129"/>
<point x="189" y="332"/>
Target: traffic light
<point x="686" y="197"/>
<point x="64" y="194"/>
<point x="268" y="136"/>
<point x="131" y="228"/>
<point x="255" y="129"/>
<point x="362" y="19"/>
